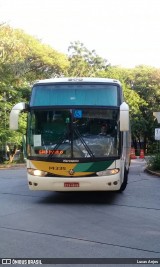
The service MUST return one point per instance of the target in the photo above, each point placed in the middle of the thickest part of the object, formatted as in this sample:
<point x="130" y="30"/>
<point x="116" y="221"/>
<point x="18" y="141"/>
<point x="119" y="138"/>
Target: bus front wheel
<point x="125" y="181"/>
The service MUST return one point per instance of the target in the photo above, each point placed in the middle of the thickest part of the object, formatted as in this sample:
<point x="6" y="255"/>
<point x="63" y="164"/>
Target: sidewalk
<point x="12" y="166"/>
<point x="138" y="160"/>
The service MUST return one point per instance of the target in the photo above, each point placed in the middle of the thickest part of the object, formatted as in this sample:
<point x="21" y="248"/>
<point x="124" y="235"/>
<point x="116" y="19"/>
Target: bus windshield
<point x="73" y="133"/>
<point x="75" y="94"/>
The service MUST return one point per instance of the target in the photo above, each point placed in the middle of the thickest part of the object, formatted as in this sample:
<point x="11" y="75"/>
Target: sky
<point x="125" y="32"/>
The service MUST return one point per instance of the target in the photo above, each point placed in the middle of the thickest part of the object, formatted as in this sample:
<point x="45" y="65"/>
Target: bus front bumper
<point x="103" y="183"/>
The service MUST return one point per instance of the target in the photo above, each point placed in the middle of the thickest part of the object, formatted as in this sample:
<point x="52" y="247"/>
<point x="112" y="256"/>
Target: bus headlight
<point x="36" y="172"/>
<point x="108" y="172"/>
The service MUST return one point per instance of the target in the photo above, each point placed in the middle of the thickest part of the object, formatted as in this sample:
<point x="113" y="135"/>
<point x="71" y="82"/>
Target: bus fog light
<point x="36" y="172"/>
<point x="108" y="172"/>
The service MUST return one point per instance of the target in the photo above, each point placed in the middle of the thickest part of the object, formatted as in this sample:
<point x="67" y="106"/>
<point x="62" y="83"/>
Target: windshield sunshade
<point x="74" y="94"/>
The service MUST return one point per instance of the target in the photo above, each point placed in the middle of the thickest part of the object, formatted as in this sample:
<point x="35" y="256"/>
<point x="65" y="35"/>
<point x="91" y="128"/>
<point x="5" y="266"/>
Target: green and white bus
<point x="78" y="136"/>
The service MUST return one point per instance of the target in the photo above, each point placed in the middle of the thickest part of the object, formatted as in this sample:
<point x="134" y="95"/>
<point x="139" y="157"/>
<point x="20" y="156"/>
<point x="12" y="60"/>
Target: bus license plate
<point x="71" y="184"/>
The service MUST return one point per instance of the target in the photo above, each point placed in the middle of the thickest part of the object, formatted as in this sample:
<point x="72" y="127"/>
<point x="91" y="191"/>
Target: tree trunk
<point x="12" y="154"/>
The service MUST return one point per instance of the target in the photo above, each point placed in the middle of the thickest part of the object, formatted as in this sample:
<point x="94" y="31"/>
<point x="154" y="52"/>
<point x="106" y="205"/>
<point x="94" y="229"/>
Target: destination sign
<point x="51" y="152"/>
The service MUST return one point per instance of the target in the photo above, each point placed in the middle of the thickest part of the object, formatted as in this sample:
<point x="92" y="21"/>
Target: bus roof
<point x="85" y="79"/>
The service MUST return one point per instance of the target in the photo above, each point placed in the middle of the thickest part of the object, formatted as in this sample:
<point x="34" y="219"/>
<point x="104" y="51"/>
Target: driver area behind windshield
<point x="73" y="133"/>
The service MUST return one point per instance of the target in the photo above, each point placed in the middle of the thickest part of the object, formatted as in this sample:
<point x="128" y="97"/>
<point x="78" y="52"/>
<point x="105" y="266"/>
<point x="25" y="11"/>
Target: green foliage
<point x="26" y="59"/>
<point x="145" y="82"/>
<point x="142" y="92"/>
<point x="131" y="97"/>
<point x="154" y="162"/>
<point x="84" y="63"/>
<point x="23" y="60"/>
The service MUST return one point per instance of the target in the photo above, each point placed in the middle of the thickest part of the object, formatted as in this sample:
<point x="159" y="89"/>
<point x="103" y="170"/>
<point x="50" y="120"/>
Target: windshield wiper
<point x="68" y="135"/>
<point x="83" y="141"/>
<point x="60" y="142"/>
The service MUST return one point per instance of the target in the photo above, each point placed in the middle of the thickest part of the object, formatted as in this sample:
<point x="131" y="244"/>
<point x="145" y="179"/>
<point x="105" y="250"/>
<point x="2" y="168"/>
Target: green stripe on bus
<point x="92" y="166"/>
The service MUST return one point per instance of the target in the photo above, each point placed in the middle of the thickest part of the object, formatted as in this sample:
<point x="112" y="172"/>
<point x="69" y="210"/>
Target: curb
<point x="152" y="172"/>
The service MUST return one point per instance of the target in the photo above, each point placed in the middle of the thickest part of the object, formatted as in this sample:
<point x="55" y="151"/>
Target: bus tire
<point x="125" y="181"/>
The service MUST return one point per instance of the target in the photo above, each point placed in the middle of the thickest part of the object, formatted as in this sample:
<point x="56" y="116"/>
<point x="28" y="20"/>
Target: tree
<point x="145" y="82"/>
<point x="84" y="63"/>
<point x="27" y="58"/>
<point x="23" y="60"/>
<point x="136" y="102"/>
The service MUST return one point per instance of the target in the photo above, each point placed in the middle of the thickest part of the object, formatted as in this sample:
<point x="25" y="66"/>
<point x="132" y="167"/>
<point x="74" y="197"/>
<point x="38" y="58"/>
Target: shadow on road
<point x="80" y="198"/>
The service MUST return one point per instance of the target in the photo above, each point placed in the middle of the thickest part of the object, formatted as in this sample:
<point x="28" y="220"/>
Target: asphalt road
<point x="80" y="225"/>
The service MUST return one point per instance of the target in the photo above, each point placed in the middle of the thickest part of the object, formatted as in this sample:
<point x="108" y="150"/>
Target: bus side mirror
<point x="124" y="117"/>
<point x="14" y="115"/>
